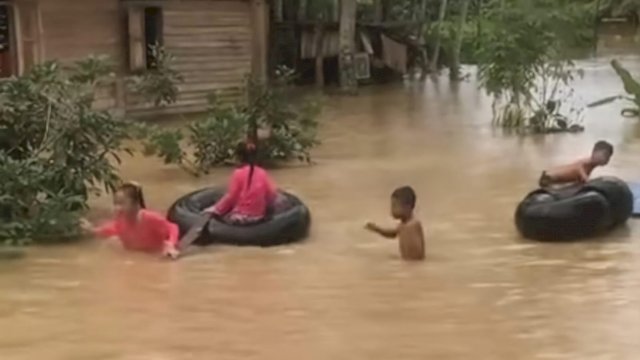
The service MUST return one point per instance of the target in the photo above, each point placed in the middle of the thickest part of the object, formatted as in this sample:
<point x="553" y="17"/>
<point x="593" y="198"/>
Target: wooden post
<point x="319" y="43"/>
<point x="278" y="14"/>
<point x="454" y="72"/>
<point x="17" y="37"/>
<point x="348" y="82"/>
<point x="137" y="47"/>
<point x="422" y="46"/>
<point x="42" y="45"/>
<point x="378" y="11"/>
<point x="260" y="40"/>
<point x="302" y="10"/>
<point x="436" y="51"/>
<point x="595" y="28"/>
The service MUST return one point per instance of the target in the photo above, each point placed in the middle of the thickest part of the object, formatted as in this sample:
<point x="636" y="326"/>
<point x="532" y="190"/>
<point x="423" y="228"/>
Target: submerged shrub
<point x="211" y="141"/>
<point x="57" y="149"/>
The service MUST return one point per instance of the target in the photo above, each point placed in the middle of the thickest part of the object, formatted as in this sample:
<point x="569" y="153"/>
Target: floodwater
<point x="482" y="293"/>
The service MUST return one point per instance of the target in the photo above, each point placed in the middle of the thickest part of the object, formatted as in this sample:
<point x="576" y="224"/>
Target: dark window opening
<point x="7" y="65"/>
<point x="152" y="34"/>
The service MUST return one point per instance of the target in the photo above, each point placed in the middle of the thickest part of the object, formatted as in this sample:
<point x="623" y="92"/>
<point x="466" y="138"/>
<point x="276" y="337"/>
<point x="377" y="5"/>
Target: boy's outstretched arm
<point x="584" y="177"/>
<point x="388" y="233"/>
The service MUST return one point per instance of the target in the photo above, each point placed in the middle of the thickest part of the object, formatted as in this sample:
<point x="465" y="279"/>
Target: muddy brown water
<point x="482" y="293"/>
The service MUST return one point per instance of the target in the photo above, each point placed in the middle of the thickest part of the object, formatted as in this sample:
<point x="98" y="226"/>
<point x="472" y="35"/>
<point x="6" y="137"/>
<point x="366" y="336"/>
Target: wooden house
<point x="306" y="37"/>
<point x="216" y="43"/>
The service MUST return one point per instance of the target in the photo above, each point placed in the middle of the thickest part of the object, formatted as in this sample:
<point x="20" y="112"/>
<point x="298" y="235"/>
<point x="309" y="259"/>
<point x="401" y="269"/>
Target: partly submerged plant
<point x="211" y="141"/>
<point x="631" y="87"/>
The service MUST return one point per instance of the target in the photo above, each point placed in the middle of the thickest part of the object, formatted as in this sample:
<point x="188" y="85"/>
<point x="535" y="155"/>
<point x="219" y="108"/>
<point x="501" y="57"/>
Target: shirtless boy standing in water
<point x="579" y="171"/>
<point x="409" y="231"/>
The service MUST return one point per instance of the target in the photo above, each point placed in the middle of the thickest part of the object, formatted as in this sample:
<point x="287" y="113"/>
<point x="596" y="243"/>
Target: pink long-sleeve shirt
<point x="247" y="200"/>
<point x="149" y="233"/>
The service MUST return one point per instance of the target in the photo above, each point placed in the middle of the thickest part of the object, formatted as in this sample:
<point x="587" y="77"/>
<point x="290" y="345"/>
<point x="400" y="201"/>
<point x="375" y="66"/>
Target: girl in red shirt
<point x="250" y="193"/>
<point x="137" y="228"/>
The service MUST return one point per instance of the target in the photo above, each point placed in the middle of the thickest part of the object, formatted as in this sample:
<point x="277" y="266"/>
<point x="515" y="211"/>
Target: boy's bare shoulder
<point x="413" y="225"/>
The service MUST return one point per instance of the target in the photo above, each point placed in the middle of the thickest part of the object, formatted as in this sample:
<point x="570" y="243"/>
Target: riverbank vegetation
<point x="57" y="149"/>
<point x="524" y="62"/>
<point x="211" y="141"/>
<point x="523" y="49"/>
<point x="631" y="87"/>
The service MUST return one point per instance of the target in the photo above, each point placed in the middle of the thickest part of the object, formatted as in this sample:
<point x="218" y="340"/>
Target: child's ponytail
<point x="247" y="154"/>
<point x="134" y="191"/>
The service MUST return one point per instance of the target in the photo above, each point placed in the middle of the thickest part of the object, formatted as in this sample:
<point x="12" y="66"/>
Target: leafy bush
<point x="158" y="84"/>
<point x="56" y="149"/>
<point x="30" y="207"/>
<point x="212" y="141"/>
<point x="524" y="63"/>
<point x="631" y="87"/>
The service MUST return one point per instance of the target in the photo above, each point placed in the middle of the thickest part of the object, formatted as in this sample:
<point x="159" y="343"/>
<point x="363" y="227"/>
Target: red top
<point x="149" y="233"/>
<point x="247" y="200"/>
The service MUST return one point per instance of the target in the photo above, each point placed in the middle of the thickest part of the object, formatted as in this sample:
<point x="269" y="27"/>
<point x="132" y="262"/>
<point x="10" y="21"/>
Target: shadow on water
<point x="483" y="292"/>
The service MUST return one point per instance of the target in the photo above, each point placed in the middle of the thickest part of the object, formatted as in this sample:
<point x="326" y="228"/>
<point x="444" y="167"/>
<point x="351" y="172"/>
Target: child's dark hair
<point x="603" y="146"/>
<point x="133" y="191"/>
<point x="247" y="153"/>
<point x="405" y="195"/>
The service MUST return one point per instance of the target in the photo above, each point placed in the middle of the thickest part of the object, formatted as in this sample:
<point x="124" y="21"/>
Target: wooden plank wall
<point x="212" y="45"/>
<point x="75" y="29"/>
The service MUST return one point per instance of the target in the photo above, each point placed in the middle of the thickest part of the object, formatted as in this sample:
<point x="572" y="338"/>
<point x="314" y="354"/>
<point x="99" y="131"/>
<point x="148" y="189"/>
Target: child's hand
<point x="85" y="225"/>
<point x="171" y="251"/>
<point x="209" y="210"/>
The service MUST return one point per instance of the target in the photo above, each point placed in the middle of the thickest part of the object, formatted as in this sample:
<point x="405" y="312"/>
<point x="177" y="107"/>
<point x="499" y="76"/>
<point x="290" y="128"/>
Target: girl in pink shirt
<point x="137" y="228"/>
<point x="250" y="191"/>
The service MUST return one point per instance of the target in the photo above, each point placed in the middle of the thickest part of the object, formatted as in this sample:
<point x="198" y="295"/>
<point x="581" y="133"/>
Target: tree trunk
<point x="436" y="51"/>
<point x="319" y="41"/>
<point x="454" y="73"/>
<point x="348" y="81"/>
<point x="637" y="27"/>
<point x="302" y="10"/>
<point x="378" y="11"/>
<point x="278" y="8"/>
<point x="422" y="28"/>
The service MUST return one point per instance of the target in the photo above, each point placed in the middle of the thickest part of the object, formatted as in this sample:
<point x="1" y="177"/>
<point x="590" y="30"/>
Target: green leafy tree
<point x="631" y="87"/>
<point x="523" y="59"/>
<point x="211" y="141"/>
<point x="57" y="149"/>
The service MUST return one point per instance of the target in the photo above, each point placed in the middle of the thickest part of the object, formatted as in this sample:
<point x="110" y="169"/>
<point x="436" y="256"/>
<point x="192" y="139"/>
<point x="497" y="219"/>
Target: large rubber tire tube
<point x="576" y="212"/>
<point x="289" y="222"/>
<point x="619" y="195"/>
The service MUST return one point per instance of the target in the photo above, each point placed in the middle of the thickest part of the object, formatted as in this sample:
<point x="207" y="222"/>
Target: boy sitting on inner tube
<point x="579" y="171"/>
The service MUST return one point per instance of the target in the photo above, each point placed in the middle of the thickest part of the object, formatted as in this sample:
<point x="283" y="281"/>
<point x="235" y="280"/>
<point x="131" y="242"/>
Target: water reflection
<point x="483" y="293"/>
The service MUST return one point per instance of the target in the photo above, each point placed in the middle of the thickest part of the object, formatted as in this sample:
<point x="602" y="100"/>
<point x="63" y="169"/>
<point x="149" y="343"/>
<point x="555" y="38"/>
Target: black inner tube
<point x="288" y="221"/>
<point x="575" y="212"/>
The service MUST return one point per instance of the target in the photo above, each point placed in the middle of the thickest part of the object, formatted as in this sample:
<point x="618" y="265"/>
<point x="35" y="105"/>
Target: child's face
<point x="399" y="210"/>
<point x="601" y="157"/>
<point x="124" y="204"/>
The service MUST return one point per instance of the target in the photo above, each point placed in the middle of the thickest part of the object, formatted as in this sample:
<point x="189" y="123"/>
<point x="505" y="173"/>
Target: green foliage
<point x="158" y="84"/>
<point x="56" y="149"/>
<point x="31" y="208"/>
<point x="631" y="87"/>
<point x="448" y="32"/>
<point x="212" y="141"/>
<point x="620" y="7"/>
<point x="524" y="60"/>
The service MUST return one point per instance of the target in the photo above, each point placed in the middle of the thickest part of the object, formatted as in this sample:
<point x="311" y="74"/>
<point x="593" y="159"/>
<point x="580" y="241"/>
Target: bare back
<point x="578" y="171"/>
<point x="411" y="239"/>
